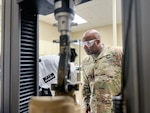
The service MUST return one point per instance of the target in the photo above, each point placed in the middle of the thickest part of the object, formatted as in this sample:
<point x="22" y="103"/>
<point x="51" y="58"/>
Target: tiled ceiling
<point x="96" y="12"/>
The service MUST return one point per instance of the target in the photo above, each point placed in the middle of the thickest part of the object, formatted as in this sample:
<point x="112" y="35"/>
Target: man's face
<point x="90" y="46"/>
<point x="91" y="41"/>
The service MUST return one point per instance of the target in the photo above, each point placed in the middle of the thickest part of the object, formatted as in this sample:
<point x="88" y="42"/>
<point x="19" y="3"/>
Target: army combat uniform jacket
<point x="102" y="79"/>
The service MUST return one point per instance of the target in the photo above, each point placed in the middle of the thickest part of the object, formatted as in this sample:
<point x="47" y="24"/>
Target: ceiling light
<point x="78" y="19"/>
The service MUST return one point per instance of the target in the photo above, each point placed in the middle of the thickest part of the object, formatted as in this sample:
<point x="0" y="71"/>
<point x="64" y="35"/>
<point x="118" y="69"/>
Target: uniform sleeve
<point x="86" y="92"/>
<point x="113" y="85"/>
<point x="118" y="76"/>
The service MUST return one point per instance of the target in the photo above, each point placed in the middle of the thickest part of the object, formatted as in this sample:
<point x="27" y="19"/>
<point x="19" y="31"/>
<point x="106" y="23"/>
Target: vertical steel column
<point x="20" y="57"/>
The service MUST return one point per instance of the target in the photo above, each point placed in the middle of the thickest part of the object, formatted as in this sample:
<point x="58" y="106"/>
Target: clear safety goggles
<point x="88" y="43"/>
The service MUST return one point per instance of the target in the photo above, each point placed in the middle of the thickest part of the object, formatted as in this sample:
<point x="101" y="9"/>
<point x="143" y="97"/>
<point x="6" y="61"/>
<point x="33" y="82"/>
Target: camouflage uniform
<point x="102" y="79"/>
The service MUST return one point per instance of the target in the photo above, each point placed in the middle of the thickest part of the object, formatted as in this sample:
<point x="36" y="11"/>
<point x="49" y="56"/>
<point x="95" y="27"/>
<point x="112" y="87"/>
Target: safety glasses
<point x="88" y="43"/>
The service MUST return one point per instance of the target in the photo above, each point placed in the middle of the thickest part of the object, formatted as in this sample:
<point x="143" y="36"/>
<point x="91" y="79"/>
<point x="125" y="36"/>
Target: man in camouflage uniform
<point x="101" y="73"/>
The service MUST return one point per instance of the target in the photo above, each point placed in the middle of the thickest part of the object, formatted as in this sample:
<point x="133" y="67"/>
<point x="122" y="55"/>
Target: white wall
<point x="48" y="33"/>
